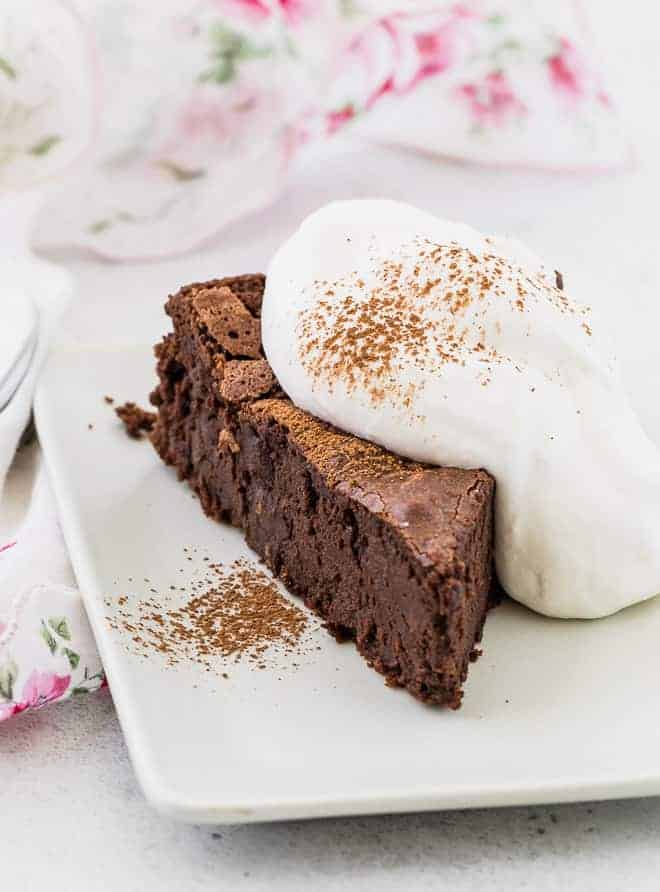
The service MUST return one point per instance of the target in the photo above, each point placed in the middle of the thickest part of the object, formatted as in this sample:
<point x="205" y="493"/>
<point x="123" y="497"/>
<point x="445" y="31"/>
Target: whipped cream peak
<point x="453" y="348"/>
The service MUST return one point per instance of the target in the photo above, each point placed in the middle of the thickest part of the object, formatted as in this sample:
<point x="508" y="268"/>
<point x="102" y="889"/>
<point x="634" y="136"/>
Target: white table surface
<point x="71" y="815"/>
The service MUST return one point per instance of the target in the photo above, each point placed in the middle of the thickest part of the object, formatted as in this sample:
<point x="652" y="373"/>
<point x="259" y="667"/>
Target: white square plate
<point x="554" y="710"/>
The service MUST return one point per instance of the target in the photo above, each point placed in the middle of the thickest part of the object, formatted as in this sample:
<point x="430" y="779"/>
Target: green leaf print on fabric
<point x="60" y="626"/>
<point x="44" y="145"/>
<point x="8" y="676"/>
<point x="183" y="174"/>
<point x="349" y="8"/>
<point x="8" y="69"/>
<point x="89" y="683"/>
<point x="228" y="48"/>
<point x="72" y="657"/>
<point x="48" y="637"/>
<point x="99" y="226"/>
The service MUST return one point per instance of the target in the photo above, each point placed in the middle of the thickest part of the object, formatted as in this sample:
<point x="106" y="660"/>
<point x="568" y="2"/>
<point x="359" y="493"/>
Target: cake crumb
<point x="136" y="421"/>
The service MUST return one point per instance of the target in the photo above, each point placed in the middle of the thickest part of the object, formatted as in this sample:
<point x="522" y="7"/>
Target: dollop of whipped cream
<point x="456" y="349"/>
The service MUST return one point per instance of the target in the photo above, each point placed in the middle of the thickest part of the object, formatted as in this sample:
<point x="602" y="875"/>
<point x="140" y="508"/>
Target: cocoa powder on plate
<point x="233" y="612"/>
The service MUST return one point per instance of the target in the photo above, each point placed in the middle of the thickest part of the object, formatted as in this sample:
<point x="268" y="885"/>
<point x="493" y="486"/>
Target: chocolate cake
<point x="393" y="554"/>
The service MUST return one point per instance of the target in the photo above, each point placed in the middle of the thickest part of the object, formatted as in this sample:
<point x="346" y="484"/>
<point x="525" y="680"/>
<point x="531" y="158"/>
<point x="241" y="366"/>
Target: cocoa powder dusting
<point x="339" y="456"/>
<point x="233" y="612"/>
<point x="429" y="310"/>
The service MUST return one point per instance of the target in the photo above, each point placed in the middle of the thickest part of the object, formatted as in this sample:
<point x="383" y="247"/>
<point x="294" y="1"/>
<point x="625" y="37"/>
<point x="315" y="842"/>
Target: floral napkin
<point x="204" y="106"/>
<point x="176" y="118"/>
<point x="47" y="650"/>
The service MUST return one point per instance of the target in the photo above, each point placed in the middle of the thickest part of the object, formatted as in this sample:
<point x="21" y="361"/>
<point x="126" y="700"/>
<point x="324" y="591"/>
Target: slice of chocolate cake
<point x="391" y="553"/>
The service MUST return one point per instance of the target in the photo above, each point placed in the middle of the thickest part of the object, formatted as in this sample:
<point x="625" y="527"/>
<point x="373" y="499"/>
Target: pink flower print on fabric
<point x="203" y="117"/>
<point x="207" y="123"/>
<point x="570" y="74"/>
<point x="295" y="11"/>
<point x="393" y="54"/>
<point x="251" y="11"/>
<point x="397" y="52"/>
<point x="292" y="11"/>
<point x="436" y="42"/>
<point x="40" y="689"/>
<point x="337" y="119"/>
<point x="567" y="71"/>
<point x="493" y="101"/>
